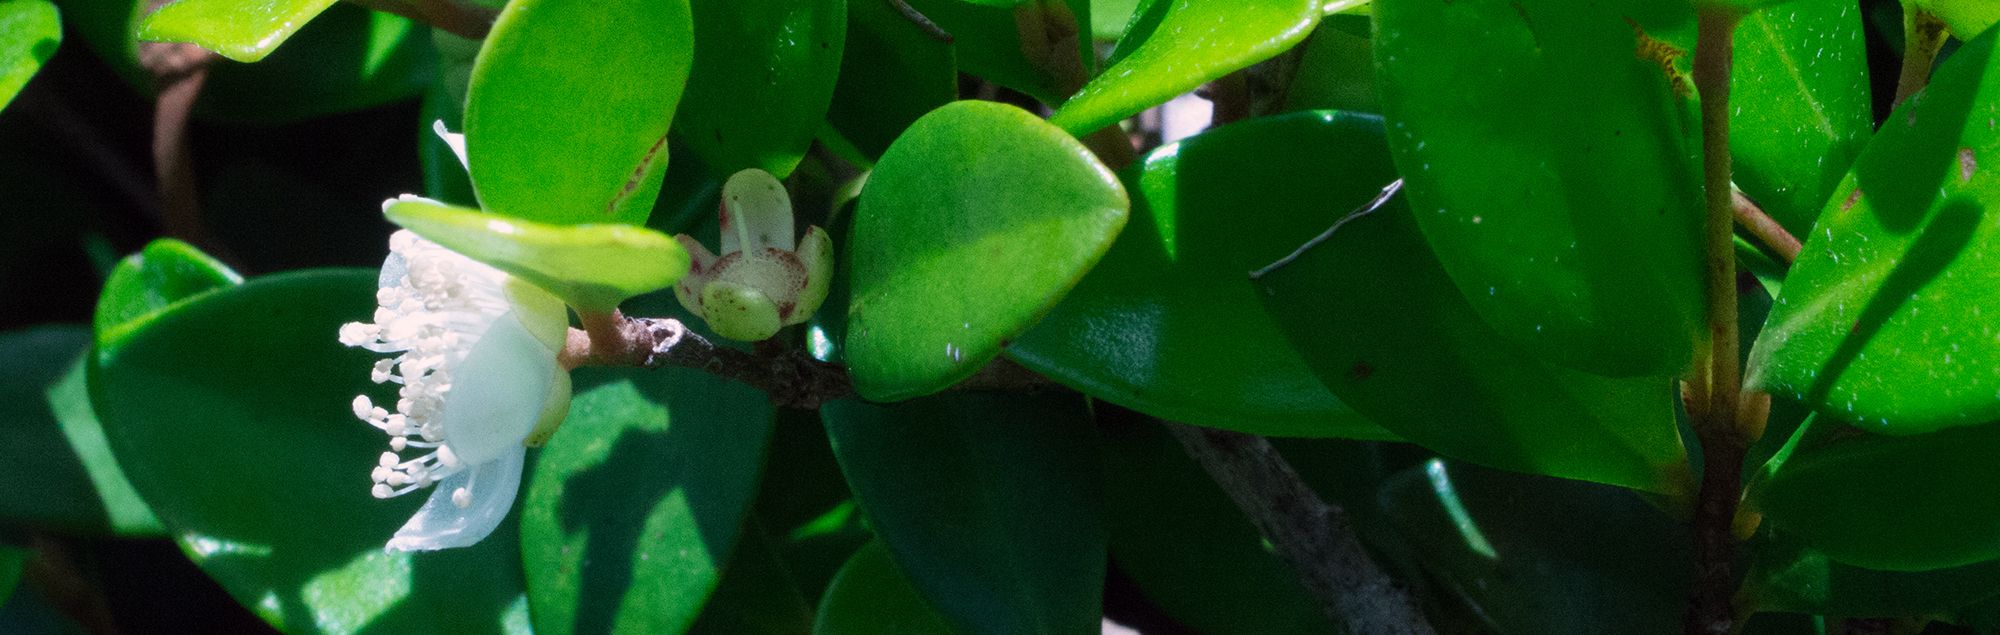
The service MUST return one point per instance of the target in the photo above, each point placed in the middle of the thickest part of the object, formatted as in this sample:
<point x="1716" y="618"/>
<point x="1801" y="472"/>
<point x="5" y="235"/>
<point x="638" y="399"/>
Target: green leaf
<point x="11" y="561"/>
<point x="756" y="594"/>
<point x="635" y="502"/>
<point x="1964" y="18"/>
<point x="241" y="30"/>
<point x="51" y="446"/>
<point x="30" y="30"/>
<point x="1188" y="547"/>
<point x="597" y="79"/>
<point x="1189" y="44"/>
<point x="1894" y="503"/>
<point x="1109" y="17"/>
<point x="989" y="502"/>
<point x="1374" y="314"/>
<point x="348" y="59"/>
<point x="974" y="224"/>
<point x="871" y="596"/>
<point x="892" y="72"/>
<point x="591" y="267"/>
<point x="1800" y="107"/>
<point x="1543" y="556"/>
<point x="763" y="74"/>
<point x="989" y="42"/>
<point x="1876" y="324"/>
<point x="1788" y="576"/>
<point x="1337" y="69"/>
<point x="1569" y="211"/>
<point x="1168" y="324"/>
<point x="143" y="285"/>
<point x="231" y="413"/>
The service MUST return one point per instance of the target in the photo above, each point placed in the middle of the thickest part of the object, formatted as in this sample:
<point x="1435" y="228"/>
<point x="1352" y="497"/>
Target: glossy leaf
<point x="1800" y="107"/>
<point x="347" y="59"/>
<point x="1544" y="556"/>
<point x="591" y="267"/>
<point x="1907" y="503"/>
<point x="989" y="502"/>
<point x="147" y="283"/>
<point x="30" y="30"/>
<point x="989" y="41"/>
<point x="1184" y="544"/>
<point x="231" y="414"/>
<point x="1875" y="325"/>
<point x="241" y="30"/>
<point x="892" y="72"/>
<point x="973" y="225"/>
<point x="1189" y="44"/>
<point x="1569" y="211"/>
<point x="1168" y="323"/>
<point x="52" y="449"/>
<point x="598" y="79"/>
<point x="1109" y="17"/>
<point x="1787" y="576"/>
<point x="763" y="74"/>
<point x="871" y="596"/>
<point x="635" y="502"/>
<point x="1337" y="69"/>
<point x="1378" y="320"/>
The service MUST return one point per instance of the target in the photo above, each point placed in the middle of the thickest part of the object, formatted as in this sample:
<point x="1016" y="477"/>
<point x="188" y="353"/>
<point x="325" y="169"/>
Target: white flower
<point x="761" y="282"/>
<point x="475" y="353"/>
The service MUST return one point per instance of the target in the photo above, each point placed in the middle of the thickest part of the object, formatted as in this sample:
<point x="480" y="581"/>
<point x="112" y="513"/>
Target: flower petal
<point x="498" y="392"/>
<point x="455" y="140"/>
<point x="756" y="213"/>
<point x="442" y="523"/>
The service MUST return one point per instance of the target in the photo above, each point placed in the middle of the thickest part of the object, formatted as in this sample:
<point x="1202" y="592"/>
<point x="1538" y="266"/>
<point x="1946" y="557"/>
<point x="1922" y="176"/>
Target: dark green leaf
<point x="241" y="30"/>
<point x="1569" y="210"/>
<point x="636" y="501"/>
<point x="870" y="596"/>
<point x="989" y="40"/>
<point x="1168" y="323"/>
<point x="1788" y="576"/>
<point x="756" y="594"/>
<point x="989" y="502"/>
<point x="1337" y="69"/>
<point x="231" y="414"/>
<point x="1383" y="326"/>
<point x="348" y="59"/>
<point x="893" y="72"/>
<point x="1800" y="106"/>
<point x="1876" y="324"/>
<point x="1193" y="42"/>
<point x="55" y="455"/>
<point x="11" y="560"/>
<point x="164" y="274"/>
<point x="975" y="223"/>
<point x="763" y="73"/>
<point x="597" y="79"/>
<point x="30" y="30"/>
<point x="1543" y="556"/>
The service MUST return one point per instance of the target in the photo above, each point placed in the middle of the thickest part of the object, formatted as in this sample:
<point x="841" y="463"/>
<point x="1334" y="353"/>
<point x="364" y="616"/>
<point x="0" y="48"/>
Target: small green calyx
<point x="761" y="282"/>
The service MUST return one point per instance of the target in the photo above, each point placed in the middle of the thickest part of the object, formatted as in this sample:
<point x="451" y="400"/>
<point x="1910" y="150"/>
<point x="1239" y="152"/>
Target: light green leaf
<point x="232" y="415"/>
<point x="974" y="224"/>
<point x="30" y="30"/>
<point x="566" y="119"/>
<point x="164" y="274"/>
<point x="1169" y="325"/>
<point x="763" y="74"/>
<point x="1187" y="44"/>
<point x="635" y="502"/>
<point x="989" y="502"/>
<point x="591" y="267"/>
<point x="1877" y="324"/>
<point x="1569" y="211"/>
<point x="241" y="30"/>
<point x="1800" y="107"/>
<point x="1966" y="19"/>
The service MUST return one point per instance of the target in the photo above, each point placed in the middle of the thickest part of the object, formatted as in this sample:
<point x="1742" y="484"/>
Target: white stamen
<point x="461" y="497"/>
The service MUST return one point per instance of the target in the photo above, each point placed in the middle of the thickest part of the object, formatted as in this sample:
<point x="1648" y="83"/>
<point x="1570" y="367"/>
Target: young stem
<point x="1717" y="386"/>
<point x="1764" y="228"/>
<point x="1923" y="36"/>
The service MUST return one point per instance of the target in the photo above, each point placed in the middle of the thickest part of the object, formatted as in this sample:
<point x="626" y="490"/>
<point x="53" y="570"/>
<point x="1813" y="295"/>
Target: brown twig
<point x="1764" y="228"/>
<point x="179" y="71"/>
<point x="1716" y="392"/>
<point x="467" y="21"/>
<point x="1923" y="37"/>
<point x="1315" y="538"/>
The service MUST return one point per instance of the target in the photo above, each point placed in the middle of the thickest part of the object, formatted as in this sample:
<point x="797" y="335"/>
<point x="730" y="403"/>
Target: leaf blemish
<point x="1966" y="165"/>
<point x="1362" y="371"/>
<point x="1665" y="55"/>
<point x="1851" y="200"/>
<point x="638" y="175"/>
